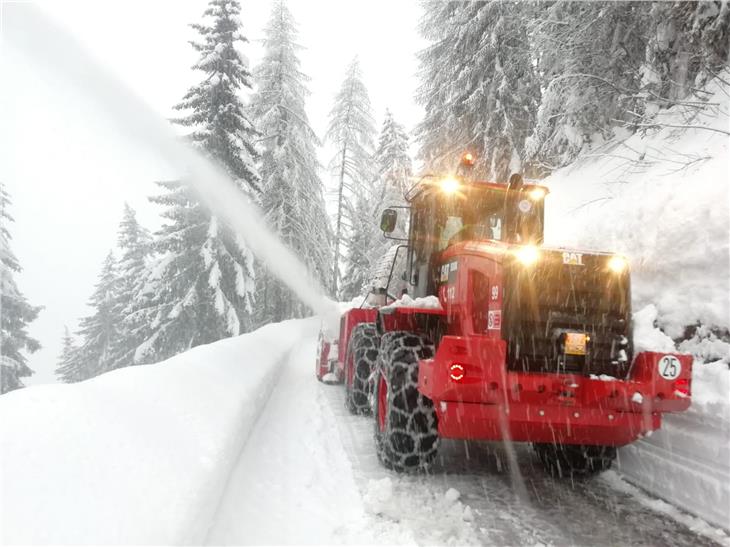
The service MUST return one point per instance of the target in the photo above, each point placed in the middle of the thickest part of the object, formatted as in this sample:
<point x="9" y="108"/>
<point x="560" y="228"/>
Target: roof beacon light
<point x="617" y="264"/>
<point x="449" y="185"/>
<point x="468" y="159"/>
<point x="528" y="255"/>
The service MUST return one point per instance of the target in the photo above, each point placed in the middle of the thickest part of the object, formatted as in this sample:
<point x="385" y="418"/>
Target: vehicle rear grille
<point x="550" y="297"/>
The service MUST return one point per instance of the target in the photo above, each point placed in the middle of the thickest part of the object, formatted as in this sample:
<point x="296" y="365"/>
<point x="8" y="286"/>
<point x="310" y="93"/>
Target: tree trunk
<point x="338" y="235"/>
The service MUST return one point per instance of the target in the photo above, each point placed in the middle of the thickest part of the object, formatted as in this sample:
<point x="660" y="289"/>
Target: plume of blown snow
<point x="62" y="58"/>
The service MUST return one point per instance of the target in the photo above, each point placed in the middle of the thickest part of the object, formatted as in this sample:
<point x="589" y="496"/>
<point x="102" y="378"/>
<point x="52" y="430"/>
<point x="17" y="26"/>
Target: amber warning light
<point x="468" y="159"/>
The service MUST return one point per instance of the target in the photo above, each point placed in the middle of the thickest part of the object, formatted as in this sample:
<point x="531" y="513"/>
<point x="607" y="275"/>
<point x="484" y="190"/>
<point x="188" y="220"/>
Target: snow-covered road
<point x="308" y="474"/>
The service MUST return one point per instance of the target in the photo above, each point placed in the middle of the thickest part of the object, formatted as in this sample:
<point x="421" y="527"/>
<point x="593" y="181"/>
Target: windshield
<point x="479" y="214"/>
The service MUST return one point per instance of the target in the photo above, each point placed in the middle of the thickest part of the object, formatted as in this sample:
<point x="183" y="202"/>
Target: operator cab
<point x="452" y="211"/>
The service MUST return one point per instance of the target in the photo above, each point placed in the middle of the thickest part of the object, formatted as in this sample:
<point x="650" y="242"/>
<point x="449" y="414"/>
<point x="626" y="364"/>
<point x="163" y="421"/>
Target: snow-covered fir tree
<point x="15" y="311"/>
<point x="394" y="170"/>
<point x="351" y="131"/>
<point x="213" y="108"/>
<point x="362" y="239"/>
<point x="202" y="286"/>
<point x="589" y="55"/>
<point x="134" y="242"/>
<point x="392" y="159"/>
<point x="98" y="332"/>
<point x="688" y="43"/>
<point x="479" y="87"/>
<point x="68" y="369"/>
<point x="293" y="195"/>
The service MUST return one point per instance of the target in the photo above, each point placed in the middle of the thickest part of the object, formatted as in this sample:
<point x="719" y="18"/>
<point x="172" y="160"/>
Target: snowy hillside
<point x="662" y="199"/>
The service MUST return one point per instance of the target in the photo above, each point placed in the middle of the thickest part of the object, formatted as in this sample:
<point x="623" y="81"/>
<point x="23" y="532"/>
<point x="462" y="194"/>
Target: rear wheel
<point x="362" y="355"/>
<point x="575" y="461"/>
<point x="406" y="431"/>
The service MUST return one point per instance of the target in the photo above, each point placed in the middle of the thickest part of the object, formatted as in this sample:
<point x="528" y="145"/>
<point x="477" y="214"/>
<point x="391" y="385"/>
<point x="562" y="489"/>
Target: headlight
<point x="528" y="254"/>
<point x="449" y="185"/>
<point x="617" y="264"/>
<point x="536" y="194"/>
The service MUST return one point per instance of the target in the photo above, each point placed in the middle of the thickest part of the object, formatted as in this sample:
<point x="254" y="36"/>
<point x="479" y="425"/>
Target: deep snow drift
<point x="140" y="455"/>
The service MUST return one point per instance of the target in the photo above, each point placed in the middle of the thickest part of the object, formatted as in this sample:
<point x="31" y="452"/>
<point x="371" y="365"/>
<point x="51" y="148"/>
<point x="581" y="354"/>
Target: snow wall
<point x="662" y="199"/>
<point x="140" y="455"/>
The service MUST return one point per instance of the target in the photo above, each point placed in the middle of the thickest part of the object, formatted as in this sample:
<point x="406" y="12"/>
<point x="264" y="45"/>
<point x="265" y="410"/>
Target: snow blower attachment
<point x="504" y="338"/>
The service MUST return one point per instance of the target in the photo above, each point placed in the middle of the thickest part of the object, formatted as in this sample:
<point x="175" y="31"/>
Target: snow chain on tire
<point x="406" y="431"/>
<point x="363" y="350"/>
<point x="575" y="461"/>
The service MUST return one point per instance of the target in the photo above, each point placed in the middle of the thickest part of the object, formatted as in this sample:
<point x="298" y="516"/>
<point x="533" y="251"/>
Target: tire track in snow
<point x="293" y="482"/>
<point x="262" y="401"/>
<point x="557" y="512"/>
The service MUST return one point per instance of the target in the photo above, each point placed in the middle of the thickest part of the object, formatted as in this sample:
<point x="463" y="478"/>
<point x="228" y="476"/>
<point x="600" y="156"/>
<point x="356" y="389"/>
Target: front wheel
<point x="406" y="430"/>
<point x="575" y="461"/>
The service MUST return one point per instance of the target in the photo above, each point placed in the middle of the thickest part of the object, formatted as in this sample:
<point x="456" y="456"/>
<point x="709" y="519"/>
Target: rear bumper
<point x="477" y="398"/>
<point x="542" y="423"/>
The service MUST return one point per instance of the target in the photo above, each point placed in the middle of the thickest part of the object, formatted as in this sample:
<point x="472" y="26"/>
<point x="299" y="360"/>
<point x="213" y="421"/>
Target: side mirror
<point x="388" y="220"/>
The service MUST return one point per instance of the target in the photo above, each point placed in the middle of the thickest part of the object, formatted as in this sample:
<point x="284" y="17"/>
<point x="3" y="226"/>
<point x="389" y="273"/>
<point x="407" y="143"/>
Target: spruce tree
<point x="394" y="166"/>
<point x="293" y="198"/>
<point x="214" y="109"/>
<point x="100" y="331"/>
<point x="134" y="242"/>
<point x="351" y="130"/>
<point x="15" y="311"/>
<point x="202" y="285"/>
<point x="394" y="171"/>
<point x="590" y="58"/>
<point x="689" y="43"/>
<point x="480" y="90"/>
<point x="363" y="238"/>
<point x="68" y="369"/>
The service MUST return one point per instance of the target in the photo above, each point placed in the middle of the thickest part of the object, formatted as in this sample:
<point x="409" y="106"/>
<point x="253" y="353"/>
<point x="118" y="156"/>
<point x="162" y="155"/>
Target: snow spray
<point x="60" y="54"/>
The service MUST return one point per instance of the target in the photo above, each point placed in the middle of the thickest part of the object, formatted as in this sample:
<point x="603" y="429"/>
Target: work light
<point x="617" y="264"/>
<point x="527" y="255"/>
<point x="449" y="185"/>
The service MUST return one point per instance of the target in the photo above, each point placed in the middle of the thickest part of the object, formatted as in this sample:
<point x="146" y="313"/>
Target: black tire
<point x="575" y="461"/>
<point x="406" y="429"/>
<point x="363" y="350"/>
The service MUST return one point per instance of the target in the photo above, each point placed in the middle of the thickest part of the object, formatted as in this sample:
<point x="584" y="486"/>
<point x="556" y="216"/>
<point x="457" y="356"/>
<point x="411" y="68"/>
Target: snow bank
<point x="646" y="336"/>
<point x="139" y="455"/>
<point x="661" y="199"/>
<point x="687" y="461"/>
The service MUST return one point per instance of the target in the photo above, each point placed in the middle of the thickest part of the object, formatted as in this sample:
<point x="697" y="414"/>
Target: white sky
<point x="69" y="172"/>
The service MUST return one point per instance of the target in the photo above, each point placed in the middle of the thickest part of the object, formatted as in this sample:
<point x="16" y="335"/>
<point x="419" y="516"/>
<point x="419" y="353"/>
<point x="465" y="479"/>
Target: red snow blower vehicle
<point x="501" y="338"/>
